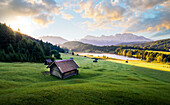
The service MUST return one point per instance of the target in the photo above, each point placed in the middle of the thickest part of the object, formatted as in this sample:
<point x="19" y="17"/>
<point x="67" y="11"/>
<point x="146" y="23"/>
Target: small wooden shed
<point x="47" y="62"/>
<point x="63" y="68"/>
<point x="94" y="60"/>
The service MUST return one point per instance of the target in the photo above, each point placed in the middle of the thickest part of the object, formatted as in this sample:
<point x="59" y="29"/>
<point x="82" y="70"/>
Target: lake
<point x="109" y="55"/>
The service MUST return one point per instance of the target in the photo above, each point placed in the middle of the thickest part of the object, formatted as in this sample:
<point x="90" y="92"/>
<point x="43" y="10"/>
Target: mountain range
<point x="118" y="39"/>
<point x="126" y="38"/>
<point x="53" y="39"/>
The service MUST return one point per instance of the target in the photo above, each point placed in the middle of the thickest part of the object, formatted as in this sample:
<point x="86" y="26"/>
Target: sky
<point x="74" y="19"/>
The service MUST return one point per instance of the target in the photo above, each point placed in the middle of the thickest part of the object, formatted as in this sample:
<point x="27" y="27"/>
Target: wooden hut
<point x="94" y="60"/>
<point x="126" y="61"/>
<point x="47" y="62"/>
<point x="63" y="68"/>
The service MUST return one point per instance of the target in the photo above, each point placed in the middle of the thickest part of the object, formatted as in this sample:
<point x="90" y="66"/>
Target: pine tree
<point x="47" y="49"/>
<point x="2" y="55"/>
<point x="42" y="45"/>
<point x="10" y="49"/>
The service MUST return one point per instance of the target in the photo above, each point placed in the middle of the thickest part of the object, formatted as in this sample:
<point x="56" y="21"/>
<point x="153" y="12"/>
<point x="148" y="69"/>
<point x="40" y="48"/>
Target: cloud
<point x="51" y="6"/>
<point x="138" y="16"/>
<point x="159" y="23"/>
<point x="67" y="16"/>
<point x="102" y="13"/>
<point x="29" y="8"/>
<point x="166" y="4"/>
<point x="69" y="4"/>
<point x="162" y="33"/>
<point x="43" y="19"/>
<point x="108" y="14"/>
<point x="95" y="26"/>
<point x="104" y="10"/>
<point x="142" y="4"/>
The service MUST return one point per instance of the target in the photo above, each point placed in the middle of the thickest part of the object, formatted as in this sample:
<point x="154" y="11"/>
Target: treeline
<point x="76" y="46"/>
<point x="17" y="47"/>
<point x="144" y="47"/>
<point x="143" y="54"/>
<point x="160" y="45"/>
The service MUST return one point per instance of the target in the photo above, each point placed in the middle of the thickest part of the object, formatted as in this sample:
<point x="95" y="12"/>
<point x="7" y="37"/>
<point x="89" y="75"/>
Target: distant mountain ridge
<point x="118" y="39"/>
<point x="126" y="38"/>
<point x="53" y="39"/>
<point x="160" y="45"/>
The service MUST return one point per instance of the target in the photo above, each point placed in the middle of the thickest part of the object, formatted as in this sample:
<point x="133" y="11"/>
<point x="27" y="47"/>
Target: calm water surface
<point x="109" y="55"/>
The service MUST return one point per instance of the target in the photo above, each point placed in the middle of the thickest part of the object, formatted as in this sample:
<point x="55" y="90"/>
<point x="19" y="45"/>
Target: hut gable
<point x="63" y="68"/>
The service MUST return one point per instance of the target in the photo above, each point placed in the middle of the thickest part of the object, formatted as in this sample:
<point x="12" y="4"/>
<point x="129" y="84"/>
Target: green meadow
<point x="102" y="83"/>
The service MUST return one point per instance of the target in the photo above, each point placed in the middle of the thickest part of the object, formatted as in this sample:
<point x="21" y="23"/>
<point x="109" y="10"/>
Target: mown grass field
<point x="100" y="83"/>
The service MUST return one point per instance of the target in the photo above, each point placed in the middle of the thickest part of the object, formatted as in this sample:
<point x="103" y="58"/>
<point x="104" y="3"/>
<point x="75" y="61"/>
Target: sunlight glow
<point x="22" y="23"/>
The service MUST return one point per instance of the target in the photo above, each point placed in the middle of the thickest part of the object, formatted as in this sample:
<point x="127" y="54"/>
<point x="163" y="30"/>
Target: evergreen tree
<point x="10" y="49"/>
<point x="165" y="60"/>
<point x="56" y="54"/>
<point x="47" y="49"/>
<point x="124" y="52"/>
<point x="42" y="45"/>
<point x="2" y="55"/>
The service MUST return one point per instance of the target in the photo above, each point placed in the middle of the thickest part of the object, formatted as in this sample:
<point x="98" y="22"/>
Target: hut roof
<point x="48" y="60"/>
<point x="65" y="65"/>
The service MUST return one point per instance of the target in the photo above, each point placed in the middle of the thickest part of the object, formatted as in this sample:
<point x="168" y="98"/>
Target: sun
<point x="21" y="23"/>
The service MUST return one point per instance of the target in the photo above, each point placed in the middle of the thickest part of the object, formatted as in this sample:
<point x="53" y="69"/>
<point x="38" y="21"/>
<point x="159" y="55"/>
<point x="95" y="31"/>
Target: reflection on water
<point x="110" y="55"/>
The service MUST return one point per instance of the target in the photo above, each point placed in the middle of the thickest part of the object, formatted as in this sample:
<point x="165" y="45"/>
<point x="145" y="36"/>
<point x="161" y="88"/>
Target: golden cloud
<point x="30" y="8"/>
<point x="43" y="19"/>
<point x="67" y="16"/>
<point x="102" y="13"/>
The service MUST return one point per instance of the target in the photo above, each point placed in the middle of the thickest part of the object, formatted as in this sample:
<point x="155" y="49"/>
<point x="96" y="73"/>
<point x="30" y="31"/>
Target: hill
<point x="18" y="47"/>
<point x="125" y="38"/>
<point x="101" y="83"/>
<point x="53" y="39"/>
<point x="82" y="47"/>
<point x="159" y="44"/>
<point x="79" y="46"/>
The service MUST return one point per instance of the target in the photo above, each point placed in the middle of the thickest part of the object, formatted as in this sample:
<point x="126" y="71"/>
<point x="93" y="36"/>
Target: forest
<point x="77" y="46"/>
<point x="17" y="47"/>
<point x="161" y="45"/>
<point x="144" y="54"/>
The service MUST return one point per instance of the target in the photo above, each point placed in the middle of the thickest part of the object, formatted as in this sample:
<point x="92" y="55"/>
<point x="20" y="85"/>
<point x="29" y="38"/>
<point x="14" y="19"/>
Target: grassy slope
<point x="145" y="64"/>
<point x="104" y="82"/>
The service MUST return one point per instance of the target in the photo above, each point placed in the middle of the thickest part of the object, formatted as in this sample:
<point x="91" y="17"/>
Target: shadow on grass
<point x="85" y="67"/>
<point x="84" y="76"/>
<point x="46" y="73"/>
<point x="101" y="70"/>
